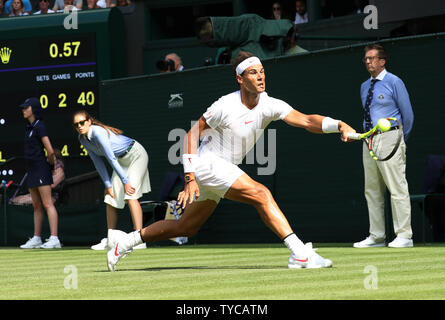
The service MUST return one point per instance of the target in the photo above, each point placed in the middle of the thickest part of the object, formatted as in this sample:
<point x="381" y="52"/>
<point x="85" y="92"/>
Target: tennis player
<point x="129" y="160"/>
<point x="211" y="170"/>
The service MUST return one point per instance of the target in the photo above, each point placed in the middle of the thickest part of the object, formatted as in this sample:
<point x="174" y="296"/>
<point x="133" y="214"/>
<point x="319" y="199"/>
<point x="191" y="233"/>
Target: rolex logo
<point x="5" y="54"/>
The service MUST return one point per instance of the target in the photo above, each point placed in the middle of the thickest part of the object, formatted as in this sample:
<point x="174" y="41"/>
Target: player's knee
<point x="262" y="195"/>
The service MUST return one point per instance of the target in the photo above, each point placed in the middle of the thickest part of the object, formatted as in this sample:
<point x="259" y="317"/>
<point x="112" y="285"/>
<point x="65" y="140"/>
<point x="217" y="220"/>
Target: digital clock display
<point x="61" y="71"/>
<point x="79" y="50"/>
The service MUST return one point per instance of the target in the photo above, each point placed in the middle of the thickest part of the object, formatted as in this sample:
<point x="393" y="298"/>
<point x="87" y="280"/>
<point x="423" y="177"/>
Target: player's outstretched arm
<point x="318" y="124"/>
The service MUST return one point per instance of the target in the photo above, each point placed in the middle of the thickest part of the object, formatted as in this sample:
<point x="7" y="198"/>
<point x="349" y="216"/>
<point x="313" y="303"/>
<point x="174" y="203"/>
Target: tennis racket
<point x="380" y="149"/>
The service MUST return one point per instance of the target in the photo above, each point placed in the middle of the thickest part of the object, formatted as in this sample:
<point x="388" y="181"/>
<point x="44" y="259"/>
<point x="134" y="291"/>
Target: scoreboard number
<point x="83" y="152"/>
<point x="64" y="151"/>
<point x="62" y="97"/>
<point x="86" y="98"/>
<point x="69" y="49"/>
<point x="44" y="101"/>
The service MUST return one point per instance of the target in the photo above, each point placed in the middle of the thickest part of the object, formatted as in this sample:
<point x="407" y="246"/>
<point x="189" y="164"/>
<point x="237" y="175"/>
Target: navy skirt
<point x="39" y="174"/>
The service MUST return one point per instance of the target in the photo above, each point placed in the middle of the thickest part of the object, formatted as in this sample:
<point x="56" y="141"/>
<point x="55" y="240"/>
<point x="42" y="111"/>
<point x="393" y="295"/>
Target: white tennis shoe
<point x="102" y="245"/>
<point x="140" y="246"/>
<point x="310" y="260"/>
<point x="51" y="244"/>
<point x="401" y="243"/>
<point x="32" y="243"/>
<point x="119" y="245"/>
<point x="369" y="243"/>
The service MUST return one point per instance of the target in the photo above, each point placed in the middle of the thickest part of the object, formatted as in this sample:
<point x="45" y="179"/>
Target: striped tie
<point x="368" y="121"/>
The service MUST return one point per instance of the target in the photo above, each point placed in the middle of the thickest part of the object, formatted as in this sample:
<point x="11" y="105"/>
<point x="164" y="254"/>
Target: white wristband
<point x="188" y="161"/>
<point x="329" y="125"/>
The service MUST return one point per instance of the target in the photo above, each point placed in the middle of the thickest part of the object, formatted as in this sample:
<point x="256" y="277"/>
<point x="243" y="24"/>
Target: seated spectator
<point x="171" y="63"/>
<point x="301" y="14"/>
<point x="2" y="9"/>
<point x="58" y="174"/>
<point x="172" y="56"/>
<point x="277" y="11"/>
<point x="44" y="7"/>
<point x="290" y="43"/>
<point x="70" y="5"/>
<point x="123" y="3"/>
<point x="103" y="3"/>
<point x="18" y="9"/>
<point x="96" y="4"/>
<point x="26" y="4"/>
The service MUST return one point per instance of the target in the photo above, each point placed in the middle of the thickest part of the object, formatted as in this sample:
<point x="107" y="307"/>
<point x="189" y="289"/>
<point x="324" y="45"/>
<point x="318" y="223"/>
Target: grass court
<point x="220" y="272"/>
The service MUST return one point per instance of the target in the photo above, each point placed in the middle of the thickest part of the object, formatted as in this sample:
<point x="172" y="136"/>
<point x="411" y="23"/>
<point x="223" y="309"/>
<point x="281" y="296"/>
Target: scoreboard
<point x="62" y="70"/>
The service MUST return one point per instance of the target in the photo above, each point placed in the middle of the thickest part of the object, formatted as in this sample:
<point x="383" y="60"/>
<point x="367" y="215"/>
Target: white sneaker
<point x="310" y="261"/>
<point x="369" y="243"/>
<point x="32" y="243"/>
<point x="118" y="247"/>
<point x="102" y="245"/>
<point x="401" y="243"/>
<point x="51" y="244"/>
<point x="141" y="246"/>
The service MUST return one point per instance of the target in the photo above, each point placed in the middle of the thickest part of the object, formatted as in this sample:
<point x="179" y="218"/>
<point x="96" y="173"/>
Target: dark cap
<point x="35" y="105"/>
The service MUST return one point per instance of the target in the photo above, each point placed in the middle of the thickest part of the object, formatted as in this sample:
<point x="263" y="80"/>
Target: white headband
<point x="246" y="64"/>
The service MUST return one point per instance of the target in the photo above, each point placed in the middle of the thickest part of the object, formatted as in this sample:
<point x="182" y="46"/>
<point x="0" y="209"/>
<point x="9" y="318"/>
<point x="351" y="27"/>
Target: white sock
<point x="53" y="238"/>
<point x="136" y="238"/>
<point x="37" y="238"/>
<point x="295" y="245"/>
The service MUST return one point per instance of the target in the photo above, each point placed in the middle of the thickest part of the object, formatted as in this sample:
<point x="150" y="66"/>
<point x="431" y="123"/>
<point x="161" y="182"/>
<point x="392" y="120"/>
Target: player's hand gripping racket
<point x="380" y="149"/>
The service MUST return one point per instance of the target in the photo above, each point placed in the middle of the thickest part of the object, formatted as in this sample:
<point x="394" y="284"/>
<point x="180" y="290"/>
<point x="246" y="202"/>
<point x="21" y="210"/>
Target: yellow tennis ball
<point x="384" y="125"/>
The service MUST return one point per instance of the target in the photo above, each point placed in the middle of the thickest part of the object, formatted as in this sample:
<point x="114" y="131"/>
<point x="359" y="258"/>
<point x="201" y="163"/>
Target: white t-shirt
<point x="300" y="19"/>
<point x="61" y="4"/>
<point x="40" y="11"/>
<point x="235" y="128"/>
<point x="101" y="3"/>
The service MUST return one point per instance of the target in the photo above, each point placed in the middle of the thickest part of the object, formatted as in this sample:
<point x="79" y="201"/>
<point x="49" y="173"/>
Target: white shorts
<point x="135" y="165"/>
<point x="215" y="176"/>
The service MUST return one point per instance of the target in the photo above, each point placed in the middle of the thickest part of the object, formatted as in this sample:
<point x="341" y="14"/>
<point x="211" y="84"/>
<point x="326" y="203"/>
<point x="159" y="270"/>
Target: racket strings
<point x="383" y="146"/>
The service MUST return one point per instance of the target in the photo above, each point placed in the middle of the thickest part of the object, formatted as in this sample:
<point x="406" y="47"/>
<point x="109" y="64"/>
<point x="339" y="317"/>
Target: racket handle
<point x="354" y="136"/>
